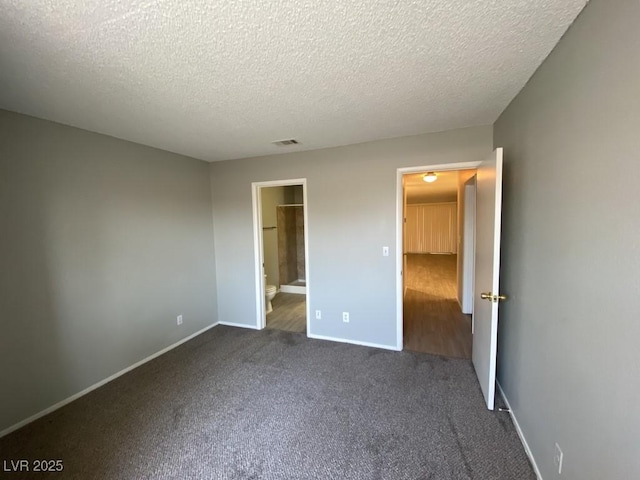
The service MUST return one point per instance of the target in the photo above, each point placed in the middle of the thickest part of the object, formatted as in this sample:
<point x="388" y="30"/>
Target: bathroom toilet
<point x="269" y="292"/>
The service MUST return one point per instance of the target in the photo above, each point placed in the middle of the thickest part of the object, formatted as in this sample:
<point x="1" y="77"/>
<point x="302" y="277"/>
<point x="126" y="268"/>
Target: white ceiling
<point x="222" y="79"/>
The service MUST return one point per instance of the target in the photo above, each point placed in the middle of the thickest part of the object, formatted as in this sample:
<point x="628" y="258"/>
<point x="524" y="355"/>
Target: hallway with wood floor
<point x="433" y="321"/>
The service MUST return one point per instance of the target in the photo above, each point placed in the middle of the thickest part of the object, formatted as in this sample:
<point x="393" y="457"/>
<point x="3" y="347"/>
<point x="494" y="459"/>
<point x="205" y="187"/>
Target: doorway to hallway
<point x="436" y="229"/>
<point x="485" y="288"/>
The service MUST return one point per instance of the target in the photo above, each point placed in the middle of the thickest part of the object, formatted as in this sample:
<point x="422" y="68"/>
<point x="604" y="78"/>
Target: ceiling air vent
<point x="284" y="143"/>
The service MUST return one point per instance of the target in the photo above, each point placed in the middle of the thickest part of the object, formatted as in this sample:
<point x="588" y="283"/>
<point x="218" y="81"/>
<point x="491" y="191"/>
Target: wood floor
<point x="433" y="321"/>
<point x="289" y="312"/>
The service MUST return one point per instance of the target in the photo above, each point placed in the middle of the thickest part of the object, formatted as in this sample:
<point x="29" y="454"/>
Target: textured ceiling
<point x="220" y="80"/>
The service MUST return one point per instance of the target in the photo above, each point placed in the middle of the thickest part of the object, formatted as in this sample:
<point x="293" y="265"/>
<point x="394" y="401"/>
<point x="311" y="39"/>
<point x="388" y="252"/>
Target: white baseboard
<point x="354" y="342"/>
<point x="293" y="289"/>
<point x="520" y="434"/>
<point x="239" y="325"/>
<point x="70" y="399"/>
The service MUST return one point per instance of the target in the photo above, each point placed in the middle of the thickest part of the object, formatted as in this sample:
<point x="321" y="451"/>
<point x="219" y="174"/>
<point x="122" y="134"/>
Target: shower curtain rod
<point x="292" y="205"/>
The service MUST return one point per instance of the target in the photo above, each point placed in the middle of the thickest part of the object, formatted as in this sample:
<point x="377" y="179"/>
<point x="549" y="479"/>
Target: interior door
<point x="487" y="273"/>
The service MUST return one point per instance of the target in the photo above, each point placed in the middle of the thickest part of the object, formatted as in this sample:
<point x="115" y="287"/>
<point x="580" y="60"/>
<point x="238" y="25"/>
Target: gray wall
<point x="103" y="243"/>
<point x="352" y="215"/>
<point x="569" y="358"/>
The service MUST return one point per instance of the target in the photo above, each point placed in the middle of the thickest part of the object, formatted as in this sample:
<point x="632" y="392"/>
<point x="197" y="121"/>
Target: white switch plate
<point x="179" y="320"/>
<point x="318" y="315"/>
<point x="385" y="251"/>
<point x="345" y="317"/>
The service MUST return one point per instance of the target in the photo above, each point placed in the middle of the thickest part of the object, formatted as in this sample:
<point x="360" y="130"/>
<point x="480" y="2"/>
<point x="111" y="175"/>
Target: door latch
<point x="493" y="298"/>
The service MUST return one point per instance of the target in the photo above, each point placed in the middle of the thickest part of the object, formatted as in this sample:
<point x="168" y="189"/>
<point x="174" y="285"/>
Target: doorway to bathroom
<point x="280" y="234"/>
<point x="438" y="258"/>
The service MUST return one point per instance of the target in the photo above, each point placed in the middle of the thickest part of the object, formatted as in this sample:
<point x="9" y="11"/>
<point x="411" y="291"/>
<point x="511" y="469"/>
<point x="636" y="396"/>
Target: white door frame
<point x="468" y="247"/>
<point x="258" y="248"/>
<point x="400" y="239"/>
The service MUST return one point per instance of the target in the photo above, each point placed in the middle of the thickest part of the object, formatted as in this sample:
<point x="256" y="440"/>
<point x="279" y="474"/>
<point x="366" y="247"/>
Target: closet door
<point x="431" y="228"/>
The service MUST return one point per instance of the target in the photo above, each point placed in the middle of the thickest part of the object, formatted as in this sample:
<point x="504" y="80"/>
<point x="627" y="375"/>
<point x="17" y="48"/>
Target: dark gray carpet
<point x="241" y="404"/>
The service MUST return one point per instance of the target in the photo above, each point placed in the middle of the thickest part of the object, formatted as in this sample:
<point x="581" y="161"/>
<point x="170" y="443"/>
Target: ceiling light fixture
<point x="430" y="177"/>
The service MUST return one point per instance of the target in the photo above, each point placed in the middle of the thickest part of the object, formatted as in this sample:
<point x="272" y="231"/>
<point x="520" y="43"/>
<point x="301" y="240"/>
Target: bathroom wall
<point x="271" y="198"/>
<point x="300" y="260"/>
<point x="351" y="194"/>
<point x="291" y="244"/>
<point x="104" y="242"/>
<point x="293" y="194"/>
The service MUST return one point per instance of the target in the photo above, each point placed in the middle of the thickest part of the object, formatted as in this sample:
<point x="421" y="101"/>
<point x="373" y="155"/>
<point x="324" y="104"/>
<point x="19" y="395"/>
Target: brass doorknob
<point x="492" y="298"/>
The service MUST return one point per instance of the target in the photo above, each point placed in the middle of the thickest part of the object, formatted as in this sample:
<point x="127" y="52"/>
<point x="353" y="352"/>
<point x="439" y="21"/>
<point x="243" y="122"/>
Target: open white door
<point x="487" y="273"/>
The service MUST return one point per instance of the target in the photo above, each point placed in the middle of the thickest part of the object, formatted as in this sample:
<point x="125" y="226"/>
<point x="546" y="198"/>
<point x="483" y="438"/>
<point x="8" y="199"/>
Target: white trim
<point x="523" y="440"/>
<point x="399" y="223"/>
<point x="497" y="237"/>
<point x="239" y="325"/>
<point x="258" y="253"/>
<point x="261" y="318"/>
<point x="82" y="393"/>
<point x="353" y="342"/>
<point x="293" y="289"/>
<point x="305" y="213"/>
<point x="468" y="247"/>
<point x="282" y="183"/>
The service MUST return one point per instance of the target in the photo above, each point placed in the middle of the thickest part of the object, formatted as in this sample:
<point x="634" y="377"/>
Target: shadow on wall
<point x="30" y="344"/>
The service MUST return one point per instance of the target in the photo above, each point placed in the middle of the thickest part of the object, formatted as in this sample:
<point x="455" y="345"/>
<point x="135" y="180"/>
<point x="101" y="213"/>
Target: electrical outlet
<point x="179" y="320"/>
<point x="385" y="251"/>
<point x="557" y="458"/>
<point x="318" y="315"/>
<point x="345" y="317"/>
